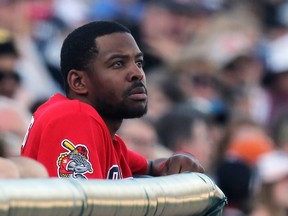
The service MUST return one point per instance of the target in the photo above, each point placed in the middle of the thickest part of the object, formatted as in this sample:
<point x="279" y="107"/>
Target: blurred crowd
<point x="217" y="77"/>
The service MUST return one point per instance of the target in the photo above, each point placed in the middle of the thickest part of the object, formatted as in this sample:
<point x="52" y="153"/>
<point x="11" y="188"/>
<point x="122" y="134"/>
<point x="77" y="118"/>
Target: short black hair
<point x="176" y="124"/>
<point x="7" y="44"/>
<point x="235" y="178"/>
<point x="79" y="47"/>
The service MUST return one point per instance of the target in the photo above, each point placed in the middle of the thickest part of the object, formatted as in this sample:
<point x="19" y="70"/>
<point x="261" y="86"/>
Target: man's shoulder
<point x="59" y="106"/>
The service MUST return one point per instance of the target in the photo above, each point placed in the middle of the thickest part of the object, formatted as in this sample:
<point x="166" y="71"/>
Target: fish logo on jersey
<point x="74" y="163"/>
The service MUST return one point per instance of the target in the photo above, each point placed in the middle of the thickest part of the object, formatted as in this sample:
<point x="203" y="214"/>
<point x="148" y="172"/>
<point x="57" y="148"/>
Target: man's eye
<point x="140" y="63"/>
<point x="117" y="64"/>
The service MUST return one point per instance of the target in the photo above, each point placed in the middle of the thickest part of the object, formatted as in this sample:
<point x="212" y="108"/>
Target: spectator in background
<point x="14" y="115"/>
<point x="21" y="167"/>
<point x="243" y="143"/>
<point x="21" y="18"/>
<point x="277" y="76"/>
<point x="13" y="124"/>
<point x="197" y="80"/>
<point x="275" y="48"/>
<point x="244" y="140"/>
<point x="228" y="34"/>
<point x="28" y="167"/>
<point x="8" y="170"/>
<point x="242" y="88"/>
<point x="166" y="91"/>
<point x="278" y="96"/>
<point x="177" y="22"/>
<point x="271" y="197"/>
<point x="13" y="166"/>
<point x="184" y="129"/>
<point x="235" y="178"/>
<point x="10" y="80"/>
<point x="14" y="120"/>
<point x="140" y="136"/>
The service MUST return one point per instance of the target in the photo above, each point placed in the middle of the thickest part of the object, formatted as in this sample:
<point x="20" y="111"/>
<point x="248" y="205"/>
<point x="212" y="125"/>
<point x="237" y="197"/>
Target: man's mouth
<point x="138" y="93"/>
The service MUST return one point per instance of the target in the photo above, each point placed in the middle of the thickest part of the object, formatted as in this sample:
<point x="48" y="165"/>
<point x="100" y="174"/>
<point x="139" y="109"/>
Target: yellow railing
<point x="180" y="194"/>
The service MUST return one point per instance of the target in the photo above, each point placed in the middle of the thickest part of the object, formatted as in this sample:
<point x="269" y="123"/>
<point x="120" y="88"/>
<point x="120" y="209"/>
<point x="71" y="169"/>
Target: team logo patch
<point x="75" y="162"/>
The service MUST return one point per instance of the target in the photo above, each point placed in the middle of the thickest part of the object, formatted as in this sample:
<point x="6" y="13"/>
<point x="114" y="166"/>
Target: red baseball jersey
<point x="72" y="140"/>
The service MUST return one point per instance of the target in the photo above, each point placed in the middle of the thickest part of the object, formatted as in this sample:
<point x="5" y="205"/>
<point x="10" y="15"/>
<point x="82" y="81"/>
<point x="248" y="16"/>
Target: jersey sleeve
<point x="69" y="144"/>
<point x="137" y="163"/>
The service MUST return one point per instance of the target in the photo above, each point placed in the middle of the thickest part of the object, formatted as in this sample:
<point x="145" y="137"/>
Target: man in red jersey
<point x="75" y="136"/>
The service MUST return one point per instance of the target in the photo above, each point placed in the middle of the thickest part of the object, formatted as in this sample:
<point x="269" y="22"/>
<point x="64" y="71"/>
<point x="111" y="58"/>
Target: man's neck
<point x="112" y="125"/>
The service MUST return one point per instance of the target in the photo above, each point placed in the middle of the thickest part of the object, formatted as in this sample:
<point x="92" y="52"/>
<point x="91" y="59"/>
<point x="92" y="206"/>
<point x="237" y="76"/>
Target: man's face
<point x="117" y="85"/>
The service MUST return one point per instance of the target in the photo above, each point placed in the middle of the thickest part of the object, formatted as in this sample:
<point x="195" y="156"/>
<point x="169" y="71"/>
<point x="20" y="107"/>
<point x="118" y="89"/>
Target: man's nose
<point x="135" y="73"/>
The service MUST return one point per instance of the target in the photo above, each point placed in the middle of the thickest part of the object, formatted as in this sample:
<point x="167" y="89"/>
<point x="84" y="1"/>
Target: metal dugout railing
<point x="180" y="194"/>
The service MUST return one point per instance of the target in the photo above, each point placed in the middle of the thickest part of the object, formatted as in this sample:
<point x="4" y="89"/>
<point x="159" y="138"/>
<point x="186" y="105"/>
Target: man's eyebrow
<point x="123" y="56"/>
<point x="113" y="56"/>
<point x="140" y="54"/>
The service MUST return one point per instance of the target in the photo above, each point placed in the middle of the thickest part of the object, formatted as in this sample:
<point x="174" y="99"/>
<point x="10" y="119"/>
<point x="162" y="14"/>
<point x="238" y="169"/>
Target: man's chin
<point x="134" y="115"/>
<point x="125" y="113"/>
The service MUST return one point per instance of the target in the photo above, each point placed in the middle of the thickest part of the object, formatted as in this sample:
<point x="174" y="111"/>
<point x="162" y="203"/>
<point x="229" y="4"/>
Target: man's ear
<point x="77" y="81"/>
